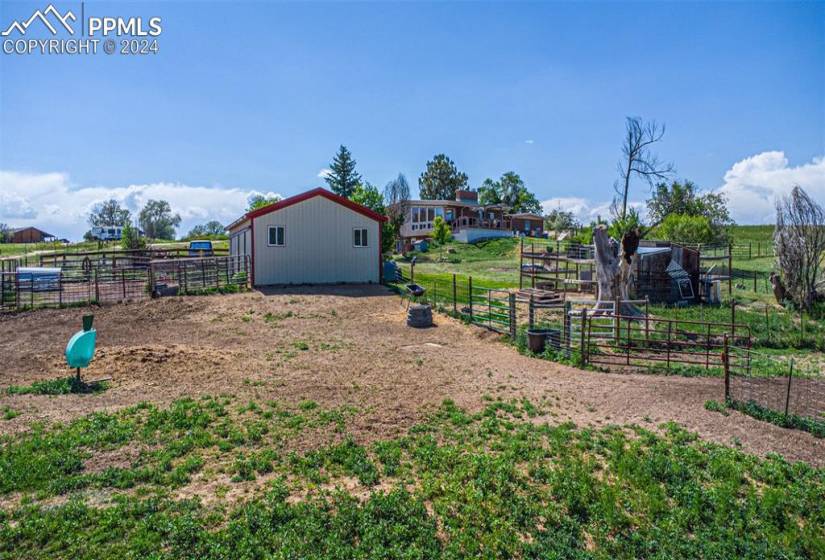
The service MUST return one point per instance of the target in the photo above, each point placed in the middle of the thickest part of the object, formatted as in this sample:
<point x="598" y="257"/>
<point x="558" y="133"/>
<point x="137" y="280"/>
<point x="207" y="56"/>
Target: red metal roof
<point x="311" y="194"/>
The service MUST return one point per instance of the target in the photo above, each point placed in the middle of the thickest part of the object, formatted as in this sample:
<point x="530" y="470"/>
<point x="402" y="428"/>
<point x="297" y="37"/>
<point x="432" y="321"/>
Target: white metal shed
<point x="316" y="237"/>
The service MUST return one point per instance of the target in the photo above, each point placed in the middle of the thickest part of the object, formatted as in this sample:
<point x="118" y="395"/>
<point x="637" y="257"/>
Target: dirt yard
<point x="343" y="345"/>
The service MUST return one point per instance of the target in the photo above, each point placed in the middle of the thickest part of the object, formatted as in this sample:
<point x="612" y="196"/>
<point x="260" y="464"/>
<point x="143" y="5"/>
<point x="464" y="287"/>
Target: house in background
<point x="110" y="233"/>
<point x="29" y="234"/>
<point x="316" y="237"/>
<point x="469" y="220"/>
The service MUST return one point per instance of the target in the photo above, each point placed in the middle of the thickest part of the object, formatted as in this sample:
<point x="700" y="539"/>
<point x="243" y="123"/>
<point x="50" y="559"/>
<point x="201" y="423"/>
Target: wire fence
<point x="117" y="280"/>
<point x="598" y="336"/>
<point x="783" y="385"/>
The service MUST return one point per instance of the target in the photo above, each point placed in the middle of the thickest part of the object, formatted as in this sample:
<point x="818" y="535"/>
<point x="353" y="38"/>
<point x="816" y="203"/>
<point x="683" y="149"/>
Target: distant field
<point x="18" y="249"/>
<point x="754" y="234"/>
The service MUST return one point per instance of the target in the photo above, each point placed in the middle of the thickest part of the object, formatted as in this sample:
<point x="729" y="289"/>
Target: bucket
<point x="537" y="339"/>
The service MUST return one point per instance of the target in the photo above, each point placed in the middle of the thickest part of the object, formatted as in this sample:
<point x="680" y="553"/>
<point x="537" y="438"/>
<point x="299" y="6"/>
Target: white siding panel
<point x="240" y="243"/>
<point x="318" y="245"/>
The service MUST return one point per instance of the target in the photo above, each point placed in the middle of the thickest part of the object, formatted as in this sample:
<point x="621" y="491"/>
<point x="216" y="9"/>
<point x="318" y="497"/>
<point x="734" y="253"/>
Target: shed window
<point x="276" y="236"/>
<point x="359" y="237"/>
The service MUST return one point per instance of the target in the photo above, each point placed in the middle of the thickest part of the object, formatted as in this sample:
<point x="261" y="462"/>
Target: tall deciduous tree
<point x="5" y="233"/>
<point x="211" y="228"/>
<point x="638" y="160"/>
<point x="157" y="220"/>
<point x="799" y="244"/>
<point x="510" y="191"/>
<point x="342" y="177"/>
<point x="684" y="198"/>
<point x="258" y="200"/>
<point x="369" y="196"/>
<point x="130" y="237"/>
<point x="559" y="220"/>
<point x="109" y="214"/>
<point x="441" y="179"/>
<point x="396" y="196"/>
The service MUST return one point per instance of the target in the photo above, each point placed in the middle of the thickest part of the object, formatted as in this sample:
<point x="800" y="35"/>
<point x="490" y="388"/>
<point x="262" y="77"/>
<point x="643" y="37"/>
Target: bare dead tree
<point x="396" y="195"/>
<point x="638" y="160"/>
<point x="799" y="244"/>
<point x="614" y="270"/>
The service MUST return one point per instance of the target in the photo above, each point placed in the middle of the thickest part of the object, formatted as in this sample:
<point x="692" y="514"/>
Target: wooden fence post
<point x="97" y="286"/>
<point x="726" y="366"/>
<point x="123" y="282"/>
<point x="788" y="393"/>
<point x="669" y="332"/>
<point x="60" y="289"/>
<point x="730" y="270"/>
<point x="521" y="265"/>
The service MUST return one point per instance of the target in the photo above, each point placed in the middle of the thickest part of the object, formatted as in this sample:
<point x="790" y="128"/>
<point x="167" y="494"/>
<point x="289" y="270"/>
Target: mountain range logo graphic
<point x="21" y="28"/>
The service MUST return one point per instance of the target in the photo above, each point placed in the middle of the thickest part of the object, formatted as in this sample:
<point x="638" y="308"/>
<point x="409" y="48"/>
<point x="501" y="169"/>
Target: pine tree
<point x="441" y="179"/>
<point x="342" y="177"/>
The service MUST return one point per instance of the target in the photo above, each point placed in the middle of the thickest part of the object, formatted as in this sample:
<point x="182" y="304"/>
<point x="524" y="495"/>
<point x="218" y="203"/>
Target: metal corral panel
<point x="318" y="245"/>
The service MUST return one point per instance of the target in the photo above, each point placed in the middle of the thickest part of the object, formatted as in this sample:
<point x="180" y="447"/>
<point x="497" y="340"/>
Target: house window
<point x="359" y="237"/>
<point x="276" y="236"/>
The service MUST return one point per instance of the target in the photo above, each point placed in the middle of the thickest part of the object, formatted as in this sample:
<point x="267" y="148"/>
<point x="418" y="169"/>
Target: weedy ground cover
<point x="495" y="483"/>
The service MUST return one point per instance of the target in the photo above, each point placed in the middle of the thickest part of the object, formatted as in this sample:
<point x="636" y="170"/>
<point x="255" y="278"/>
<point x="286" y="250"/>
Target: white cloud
<point x="529" y="141"/>
<point x="584" y="210"/>
<point x="324" y="173"/>
<point x="51" y="202"/>
<point x="753" y="185"/>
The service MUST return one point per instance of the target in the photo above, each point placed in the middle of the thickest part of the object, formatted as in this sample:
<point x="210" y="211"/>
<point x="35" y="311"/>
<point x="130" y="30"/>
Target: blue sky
<point x="249" y="97"/>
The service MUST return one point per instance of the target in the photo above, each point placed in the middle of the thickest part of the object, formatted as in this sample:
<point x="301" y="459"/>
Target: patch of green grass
<point x="307" y="405"/>
<point x="270" y="317"/>
<point x="61" y="386"/>
<point x="804" y="423"/>
<point x="716" y="406"/>
<point x="301" y="345"/>
<point x="491" y="484"/>
<point x="9" y="413"/>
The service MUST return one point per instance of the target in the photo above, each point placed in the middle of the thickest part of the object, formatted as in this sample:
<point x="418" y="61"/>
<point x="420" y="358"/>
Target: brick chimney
<point x="470" y="197"/>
